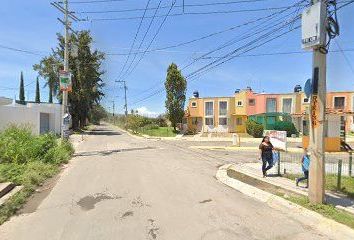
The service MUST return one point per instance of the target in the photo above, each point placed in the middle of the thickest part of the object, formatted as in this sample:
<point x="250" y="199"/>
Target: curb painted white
<point x="315" y="220"/>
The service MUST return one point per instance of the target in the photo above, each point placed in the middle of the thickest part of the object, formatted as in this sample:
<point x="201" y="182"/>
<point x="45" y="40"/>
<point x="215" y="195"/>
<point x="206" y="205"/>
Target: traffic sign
<point x="65" y="81"/>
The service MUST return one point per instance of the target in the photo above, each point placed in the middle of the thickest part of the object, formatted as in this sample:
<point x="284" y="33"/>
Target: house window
<point x="339" y="102"/>
<point x="209" y="121"/>
<point x="194" y="104"/>
<point x="223" y="121"/>
<point x="271" y="105"/>
<point x="306" y="100"/>
<point x="239" y="103"/>
<point x="239" y="121"/>
<point x="251" y="102"/>
<point x="222" y="108"/>
<point x="209" y="109"/>
<point x="287" y="102"/>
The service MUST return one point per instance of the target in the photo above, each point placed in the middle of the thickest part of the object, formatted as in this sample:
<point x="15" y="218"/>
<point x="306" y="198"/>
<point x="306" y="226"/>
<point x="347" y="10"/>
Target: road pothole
<point x="89" y="202"/>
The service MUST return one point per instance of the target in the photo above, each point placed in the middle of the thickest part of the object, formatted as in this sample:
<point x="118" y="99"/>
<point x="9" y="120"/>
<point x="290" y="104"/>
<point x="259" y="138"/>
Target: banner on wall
<point x="277" y="138"/>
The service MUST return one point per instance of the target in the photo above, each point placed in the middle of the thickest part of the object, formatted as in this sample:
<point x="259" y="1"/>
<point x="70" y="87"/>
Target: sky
<point x="31" y="26"/>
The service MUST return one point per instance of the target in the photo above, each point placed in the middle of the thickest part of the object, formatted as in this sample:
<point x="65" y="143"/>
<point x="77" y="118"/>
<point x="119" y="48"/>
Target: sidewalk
<point x="252" y="149"/>
<point x="254" y="170"/>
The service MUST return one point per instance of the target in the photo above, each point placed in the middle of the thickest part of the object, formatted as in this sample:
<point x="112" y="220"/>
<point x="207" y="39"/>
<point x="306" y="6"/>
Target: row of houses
<point x="229" y="114"/>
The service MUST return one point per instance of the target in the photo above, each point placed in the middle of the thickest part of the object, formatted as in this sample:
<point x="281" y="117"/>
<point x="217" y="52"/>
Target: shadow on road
<point x="102" y="132"/>
<point x="109" y="152"/>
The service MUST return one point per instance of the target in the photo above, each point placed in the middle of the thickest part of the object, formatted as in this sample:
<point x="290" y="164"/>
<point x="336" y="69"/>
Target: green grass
<point x="28" y="160"/>
<point x="159" y="132"/>
<point x="347" y="184"/>
<point x="326" y="210"/>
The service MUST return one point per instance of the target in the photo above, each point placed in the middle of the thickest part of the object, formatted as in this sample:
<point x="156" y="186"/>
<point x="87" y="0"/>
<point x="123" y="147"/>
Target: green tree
<point x="22" y="90"/>
<point x="175" y="85"/>
<point x="48" y="69"/>
<point x="38" y="95"/>
<point x="85" y="68"/>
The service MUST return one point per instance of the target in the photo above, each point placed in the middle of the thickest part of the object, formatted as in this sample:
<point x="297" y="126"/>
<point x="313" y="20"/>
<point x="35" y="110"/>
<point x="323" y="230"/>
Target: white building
<point x="41" y="117"/>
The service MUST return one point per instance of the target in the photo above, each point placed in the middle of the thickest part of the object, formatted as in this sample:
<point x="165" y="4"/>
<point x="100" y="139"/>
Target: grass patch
<point x="326" y="210"/>
<point x="159" y="132"/>
<point x="28" y="160"/>
<point x="347" y="185"/>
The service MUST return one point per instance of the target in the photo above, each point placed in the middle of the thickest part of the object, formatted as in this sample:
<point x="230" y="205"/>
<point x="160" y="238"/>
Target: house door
<point x="44" y="123"/>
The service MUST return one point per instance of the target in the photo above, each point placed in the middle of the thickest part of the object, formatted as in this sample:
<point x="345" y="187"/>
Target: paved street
<point x="122" y="187"/>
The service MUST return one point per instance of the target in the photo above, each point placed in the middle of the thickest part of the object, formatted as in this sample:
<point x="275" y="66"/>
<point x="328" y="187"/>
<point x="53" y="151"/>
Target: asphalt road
<point x="121" y="187"/>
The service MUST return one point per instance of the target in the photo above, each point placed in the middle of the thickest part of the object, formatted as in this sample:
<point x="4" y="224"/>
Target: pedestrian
<point x="266" y="154"/>
<point x="305" y="164"/>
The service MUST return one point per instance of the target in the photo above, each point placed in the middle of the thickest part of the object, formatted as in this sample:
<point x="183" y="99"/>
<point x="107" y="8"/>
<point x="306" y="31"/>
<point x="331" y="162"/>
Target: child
<point x="305" y="163"/>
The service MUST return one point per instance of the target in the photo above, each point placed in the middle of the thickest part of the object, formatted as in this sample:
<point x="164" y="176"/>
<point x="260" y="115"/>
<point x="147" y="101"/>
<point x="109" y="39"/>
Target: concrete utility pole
<point x="66" y="61"/>
<point x="318" y="122"/>
<point x="125" y="96"/>
<point x="113" y="108"/>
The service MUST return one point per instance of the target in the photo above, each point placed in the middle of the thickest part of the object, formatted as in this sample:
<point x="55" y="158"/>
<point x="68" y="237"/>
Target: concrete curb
<point x="314" y="220"/>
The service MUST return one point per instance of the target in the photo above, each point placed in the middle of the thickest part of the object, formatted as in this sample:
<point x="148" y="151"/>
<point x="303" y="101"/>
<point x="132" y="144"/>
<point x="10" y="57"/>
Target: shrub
<point x="15" y="144"/>
<point x="287" y="126"/>
<point x="59" y="154"/>
<point x="254" y="129"/>
<point x="151" y="126"/>
<point x="161" y="121"/>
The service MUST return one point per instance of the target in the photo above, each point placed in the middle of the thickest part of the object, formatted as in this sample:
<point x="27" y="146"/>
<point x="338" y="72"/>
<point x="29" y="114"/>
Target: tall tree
<point x="48" y="69"/>
<point x="85" y="67"/>
<point x="38" y="95"/>
<point x="175" y="85"/>
<point x="22" y="90"/>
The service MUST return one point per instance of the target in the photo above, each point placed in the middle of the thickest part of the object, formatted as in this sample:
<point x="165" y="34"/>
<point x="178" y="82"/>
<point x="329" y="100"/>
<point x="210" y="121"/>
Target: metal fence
<point x="336" y="164"/>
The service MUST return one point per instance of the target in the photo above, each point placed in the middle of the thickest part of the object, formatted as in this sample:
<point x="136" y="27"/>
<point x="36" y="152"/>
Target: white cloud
<point x="143" y="111"/>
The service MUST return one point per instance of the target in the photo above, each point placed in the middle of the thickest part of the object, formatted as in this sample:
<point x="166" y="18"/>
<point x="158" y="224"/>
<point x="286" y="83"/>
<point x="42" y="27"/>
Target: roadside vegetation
<point x="347" y="183"/>
<point x="326" y="210"/>
<point x="137" y="124"/>
<point x="28" y="160"/>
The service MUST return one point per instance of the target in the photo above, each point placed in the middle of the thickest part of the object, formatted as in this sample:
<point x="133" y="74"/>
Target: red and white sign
<point x="277" y="138"/>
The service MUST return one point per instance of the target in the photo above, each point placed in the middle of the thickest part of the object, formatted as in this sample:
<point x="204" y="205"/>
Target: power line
<point x="152" y="40"/>
<point x="192" y="76"/>
<point x="135" y="37"/>
<point x="208" y="35"/>
<point x="177" y="6"/>
<point x="94" y="1"/>
<point x="20" y="50"/>
<point x="193" y="13"/>
<point x="242" y="37"/>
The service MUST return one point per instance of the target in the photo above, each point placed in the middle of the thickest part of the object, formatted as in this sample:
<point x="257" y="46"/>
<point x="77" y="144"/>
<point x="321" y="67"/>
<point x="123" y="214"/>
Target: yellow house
<point x="239" y="116"/>
<point x="211" y="114"/>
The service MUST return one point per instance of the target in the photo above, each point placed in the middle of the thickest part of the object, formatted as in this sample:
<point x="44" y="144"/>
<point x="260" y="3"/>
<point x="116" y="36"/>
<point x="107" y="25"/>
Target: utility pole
<point x="67" y="26"/>
<point x="125" y="96"/>
<point x="314" y="38"/>
<point x="113" y="108"/>
<point x="66" y="61"/>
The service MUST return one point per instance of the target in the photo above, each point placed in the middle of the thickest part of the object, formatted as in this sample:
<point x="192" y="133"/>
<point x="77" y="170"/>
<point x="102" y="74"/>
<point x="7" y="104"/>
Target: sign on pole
<point x="277" y="138"/>
<point x="65" y="81"/>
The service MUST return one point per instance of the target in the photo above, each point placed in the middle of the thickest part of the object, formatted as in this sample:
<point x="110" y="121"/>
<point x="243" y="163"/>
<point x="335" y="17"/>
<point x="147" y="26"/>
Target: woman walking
<point x="266" y="154"/>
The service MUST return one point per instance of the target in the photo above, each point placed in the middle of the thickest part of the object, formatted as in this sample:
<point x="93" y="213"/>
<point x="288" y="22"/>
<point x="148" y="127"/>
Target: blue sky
<point x="32" y="25"/>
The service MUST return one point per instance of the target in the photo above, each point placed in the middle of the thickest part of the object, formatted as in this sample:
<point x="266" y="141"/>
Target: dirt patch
<point x="39" y="195"/>
<point x="260" y="184"/>
<point x="89" y="202"/>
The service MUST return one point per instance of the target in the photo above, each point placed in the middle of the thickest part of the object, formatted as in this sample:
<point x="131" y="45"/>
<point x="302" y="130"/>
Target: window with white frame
<point x="287" y="104"/>
<point x="339" y="102"/>
<point x="251" y="102"/>
<point x="222" y="121"/>
<point x="239" y="104"/>
<point x="209" y="121"/>
<point x="209" y="109"/>
<point x="271" y="105"/>
<point x="194" y="104"/>
<point x="222" y="108"/>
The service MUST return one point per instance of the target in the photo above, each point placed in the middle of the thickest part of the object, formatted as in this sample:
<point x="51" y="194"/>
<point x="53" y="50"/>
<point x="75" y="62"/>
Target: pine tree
<point x="22" y="90"/>
<point x="50" y="94"/>
<point x="175" y="86"/>
<point x="38" y="97"/>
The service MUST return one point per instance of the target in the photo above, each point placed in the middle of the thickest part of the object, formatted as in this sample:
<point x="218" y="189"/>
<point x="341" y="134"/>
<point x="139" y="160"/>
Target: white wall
<point x="30" y="114"/>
